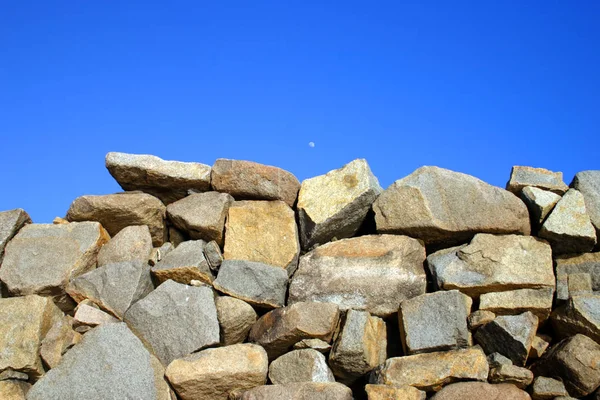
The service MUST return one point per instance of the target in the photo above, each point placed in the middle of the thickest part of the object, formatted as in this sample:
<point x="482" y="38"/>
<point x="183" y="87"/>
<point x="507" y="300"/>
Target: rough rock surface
<point x="479" y="391"/>
<point x="42" y="258"/>
<point x="87" y="317"/>
<point x="588" y="263"/>
<point x="10" y="223"/>
<point x="236" y="318"/>
<point x="539" y="345"/>
<point x="316" y="344"/>
<point x="335" y="204"/>
<point x="109" y="363"/>
<point x="588" y="183"/>
<point x="568" y="228"/>
<point x="113" y="287"/>
<point x="539" y="202"/>
<point x="184" y="263"/>
<point x="300" y="391"/>
<point x="521" y="377"/>
<point x="541" y="178"/>
<point x="442" y="206"/>
<point x="374" y="273"/>
<point x="278" y="330"/>
<point x="385" y="392"/>
<point x="13" y="389"/>
<point x="547" y="388"/>
<point x="494" y="263"/>
<point x="259" y="284"/>
<point x="175" y="320"/>
<point x="300" y="366"/>
<point x="215" y="373"/>
<point x="479" y="317"/>
<point x="581" y="314"/>
<point x="167" y="180"/>
<point x="262" y="231"/>
<point x="435" y="322"/>
<point x="512" y="302"/>
<point x="132" y="243"/>
<point x="254" y="181"/>
<point x="201" y="215"/>
<point x="58" y="340"/>
<point x="117" y="211"/>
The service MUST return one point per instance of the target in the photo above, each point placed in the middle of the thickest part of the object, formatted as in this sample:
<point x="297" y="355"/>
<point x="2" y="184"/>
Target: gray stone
<point x="175" y="320"/>
<point x="315" y="344"/>
<point x="158" y="253"/>
<point x="247" y="180"/>
<point x="201" y="215"/>
<point x="540" y="203"/>
<point x="588" y="183"/>
<point x="213" y="255"/>
<point x="109" y="363"/>
<point x="236" y="318"/>
<point x="495" y="360"/>
<point x="183" y="264"/>
<point x="113" y="287"/>
<point x="479" y="317"/>
<point x="300" y="391"/>
<point x="167" y="180"/>
<point x="10" y="223"/>
<point x="259" y="284"/>
<point x="521" y="377"/>
<point x="335" y="204"/>
<point x="117" y="211"/>
<point x="581" y="314"/>
<point x="494" y="263"/>
<point x="541" y="178"/>
<point x="512" y="302"/>
<point x="568" y="228"/>
<point x="575" y="361"/>
<point x="579" y="283"/>
<point x="300" y="366"/>
<point x="547" y="388"/>
<point x="510" y="336"/>
<point x="435" y="322"/>
<point x="176" y="237"/>
<point x="133" y="243"/>
<point x="442" y="206"/>
<point x="42" y="258"/>
<point x="372" y="273"/>
<point x="566" y="265"/>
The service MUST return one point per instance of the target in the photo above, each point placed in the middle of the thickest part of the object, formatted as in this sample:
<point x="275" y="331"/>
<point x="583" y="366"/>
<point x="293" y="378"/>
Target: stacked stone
<point x="237" y="281"/>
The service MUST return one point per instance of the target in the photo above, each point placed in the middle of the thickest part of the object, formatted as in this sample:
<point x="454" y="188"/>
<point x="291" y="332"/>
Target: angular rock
<point x="581" y="314"/>
<point x="588" y="183"/>
<point x="214" y="373"/>
<point x="10" y="223"/>
<point x="432" y="371"/>
<point x="496" y="360"/>
<point x="158" y="253"/>
<point x="88" y="317"/>
<point x="213" y="256"/>
<point x="479" y="391"/>
<point x="176" y="237"/>
<point x="259" y="284"/>
<point x="117" y="211"/>
<point x="167" y="180"/>
<point x="512" y="302"/>
<point x="336" y="204"/>
<point x="360" y="346"/>
<point x="579" y="283"/>
<point x="315" y="344"/>
<point x="201" y="215"/>
<point x="540" y="203"/>
<point x="519" y="376"/>
<point x="494" y="263"/>
<point x="385" y="392"/>
<point x="566" y="265"/>
<point x="442" y="206"/>
<point x="60" y="338"/>
<point x="13" y="390"/>
<point x="184" y="263"/>
<point x="372" y="273"/>
<point x="113" y="287"/>
<point x="479" y="318"/>
<point x="25" y="322"/>
<point x="510" y="336"/>
<point x="133" y="243"/>
<point x="262" y="231"/>
<point x="568" y="228"/>
<point x="300" y="366"/>
<point x="236" y="318"/>
<point x="247" y="180"/>
<point x="109" y="363"/>
<point x="539" y="345"/>
<point x="9" y="374"/>
<point x="540" y="178"/>
<point x="278" y="330"/>
<point x="300" y="391"/>
<point x="42" y="258"/>
<point x="547" y="388"/>
<point x="175" y="320"/>
<point x="575" y="361"/>
<point x="435" y="322"/>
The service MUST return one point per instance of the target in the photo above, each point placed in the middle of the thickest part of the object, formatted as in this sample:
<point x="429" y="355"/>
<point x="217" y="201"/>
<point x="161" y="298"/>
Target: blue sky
<point x="471" y="86"/>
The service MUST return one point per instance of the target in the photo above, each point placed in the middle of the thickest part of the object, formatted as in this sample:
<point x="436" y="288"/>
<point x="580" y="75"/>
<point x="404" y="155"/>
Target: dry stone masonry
<point x="239" y="282"/>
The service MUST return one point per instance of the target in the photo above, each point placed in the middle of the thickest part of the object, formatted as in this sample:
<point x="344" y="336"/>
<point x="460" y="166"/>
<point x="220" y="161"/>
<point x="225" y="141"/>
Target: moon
<point x="311" y="144"/>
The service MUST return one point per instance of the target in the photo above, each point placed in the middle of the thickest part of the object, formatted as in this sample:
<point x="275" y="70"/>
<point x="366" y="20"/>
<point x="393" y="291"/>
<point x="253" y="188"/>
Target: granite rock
<point x="588" y="183"/>
<point x="236" y="318"/>
<point x="512" y="302"/>
<point x="541" y="178"/>
<point x="385" y="392"/>
<point x="481" y="390"/>
<point x="132" y="243"/>
<point x="300" y="366"/>
<point x="184" y="263"/>
<point x="10" y="223"/>
<point x="540" y="203"/>
<point x="300" y="391"/>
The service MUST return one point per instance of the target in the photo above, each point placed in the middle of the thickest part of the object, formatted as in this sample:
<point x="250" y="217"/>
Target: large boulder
<point x="42" y="258"/>
<point x="521" y="177"/>
<point x="300" y="391"/>
<point x="215" y="373"/>
<point x="588" y="183"/>
<point x="262" y="231"/>
<point x="373" y="273"/>
<point x="335" y="205"/>
<point x="10" y="223"/>
<point x="481" y="390"/>
<point x="307" y="365"/>
<point x="167" y="180"/>
<point x="442" y="206"/>
<point x="109" y="363"/>
<point x="132" y="243"/>
<point x="247" y="180"/>
<point x="117" y="211"/>
<point x="494" y="263"/>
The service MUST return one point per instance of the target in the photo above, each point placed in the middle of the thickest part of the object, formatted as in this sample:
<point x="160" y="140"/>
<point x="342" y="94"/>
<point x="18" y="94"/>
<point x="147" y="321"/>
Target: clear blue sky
<point x="473" y="86"/>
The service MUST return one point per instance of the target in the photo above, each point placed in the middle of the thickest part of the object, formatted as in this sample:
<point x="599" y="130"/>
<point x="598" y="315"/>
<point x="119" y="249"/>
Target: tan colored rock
<point x="176" y="237"/>
<point x="10" y="223"/>
<point x="316" y="344"/>
<point x="236" y="318"/>
<point x="25" y="322"/>
<point x="588" y="263"/>
<point x="372" y="273"/>
<point x="117" y="211"/>
<point x="479" y="318"/>
<point x="42" y="258"/>
<point x="481" y="390"/>
<point x="131" y="243"/>
<point x="512" y="302"/>
<point x="247" y="180"/>
<point x="300" y="366"/>
<point x="519" y="376"/>
<point x="167" y="180"/>
<point x="494" y="263"/>
<point x="442" y="206"/>
<point x="432" y="371"/>
<point x="87" y="317"/>
<point x="588" y="183"/>
<point x="58" y="340"/>
<point x="262" y="231"/>
<point x="300" y="391"/>
<point x="9" y="374"/>
<point x="547" y="388"/>
<point x="184" y="263"/>
<point x="59" y="220"/>
<point x="201" y="215"/>
<point x="278" y="330"/>
<point x="539" y="345"/>
<point x="540" y="203"/>
<point x="336" y="204"/>
<point x="385" y="392"/>
<point x="214" y="373"/>
<point x="13" y="390"/>
<point x="541" y="178"/>
<point x="579" y="315"/>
